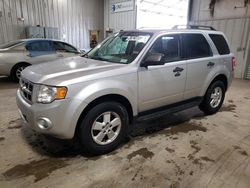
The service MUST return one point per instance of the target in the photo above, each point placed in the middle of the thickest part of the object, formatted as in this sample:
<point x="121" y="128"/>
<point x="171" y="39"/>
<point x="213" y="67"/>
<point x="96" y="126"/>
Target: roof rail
<point x="203" y="27"/>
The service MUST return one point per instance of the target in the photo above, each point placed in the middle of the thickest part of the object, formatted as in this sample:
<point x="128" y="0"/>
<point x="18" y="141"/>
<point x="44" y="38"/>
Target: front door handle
<point x="210" y="64"/>
<point x="178" y="69"/>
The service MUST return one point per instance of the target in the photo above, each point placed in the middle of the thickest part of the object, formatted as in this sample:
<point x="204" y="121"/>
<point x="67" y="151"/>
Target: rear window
<point x="10" y="44"/>
<point x="196" y="46"/>
<point x="220" y="43"/>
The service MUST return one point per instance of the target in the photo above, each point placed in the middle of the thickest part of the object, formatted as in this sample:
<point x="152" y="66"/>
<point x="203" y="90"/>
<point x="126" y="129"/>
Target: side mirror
<point x="153" y="59"/>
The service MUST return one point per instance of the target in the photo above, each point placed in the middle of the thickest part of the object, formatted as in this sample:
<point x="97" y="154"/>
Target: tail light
<point x="233" y="63"/>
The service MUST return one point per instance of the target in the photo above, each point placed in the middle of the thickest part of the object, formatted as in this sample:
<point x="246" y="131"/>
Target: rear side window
<point x="220" y="43"/>
<point x="196" y="46"/>
<point x="40" y="46"/>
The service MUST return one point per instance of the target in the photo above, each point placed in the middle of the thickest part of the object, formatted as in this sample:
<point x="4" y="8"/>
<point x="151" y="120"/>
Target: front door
<point x="161" y="85"/>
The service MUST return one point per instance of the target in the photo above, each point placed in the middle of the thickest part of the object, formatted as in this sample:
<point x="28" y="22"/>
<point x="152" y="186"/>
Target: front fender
<point x="96" y="89"/>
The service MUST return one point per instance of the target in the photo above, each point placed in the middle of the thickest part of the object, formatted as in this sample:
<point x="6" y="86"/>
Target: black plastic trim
<point x="168" y="109"/>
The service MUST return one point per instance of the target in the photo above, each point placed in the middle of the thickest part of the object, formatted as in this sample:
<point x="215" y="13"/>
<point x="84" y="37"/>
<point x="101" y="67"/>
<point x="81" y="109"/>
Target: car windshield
<point x="121" y="47"/>
<point x="8" y="45"/>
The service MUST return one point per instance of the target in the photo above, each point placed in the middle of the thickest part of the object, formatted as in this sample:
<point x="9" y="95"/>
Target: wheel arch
<point x="105" y="98"/>
<point x="221" y="77"/>
<point x="17" y="64"/>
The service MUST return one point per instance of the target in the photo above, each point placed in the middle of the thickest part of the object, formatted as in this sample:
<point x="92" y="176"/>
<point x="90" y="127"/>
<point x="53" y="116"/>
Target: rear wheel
<point x="213" y="98"/>
<point x="16" y="71"/>
<point x="103" y="128"/>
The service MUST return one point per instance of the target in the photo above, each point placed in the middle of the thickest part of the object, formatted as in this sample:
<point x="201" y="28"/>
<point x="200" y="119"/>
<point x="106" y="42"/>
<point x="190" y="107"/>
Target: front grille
<point x="26" y="88"/>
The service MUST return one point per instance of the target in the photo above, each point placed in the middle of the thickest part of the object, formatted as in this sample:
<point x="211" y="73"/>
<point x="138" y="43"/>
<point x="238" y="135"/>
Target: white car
<point x="17" y="55"/>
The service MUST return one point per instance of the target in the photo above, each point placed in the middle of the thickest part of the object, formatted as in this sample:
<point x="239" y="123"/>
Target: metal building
<point x="119" y="15"/>
<point x="75" y="19"/>
<point x="233" y="18"/>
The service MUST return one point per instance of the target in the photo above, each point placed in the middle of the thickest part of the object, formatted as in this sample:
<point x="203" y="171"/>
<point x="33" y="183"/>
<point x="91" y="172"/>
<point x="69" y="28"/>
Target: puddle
<point x="169" y="150"/>
<point x="174" y="185"/>
<point x="236" y="147"/>
<point x="243" y="152"/>
<point x="182" y="128"/>
<point x="247" y="98"/>
<point x="40" y="169"/>
<point x="197" y="162"/>
<point x="2" y="139"/>
<point x="195" y="147"/>
<point x="206" y="159"/>
<point x="191" y="157"/>
<point x="228" y="108"/>
<point x="144" y="152"/>
<point x="15" y="124"/>
<point x="240" y="150"/>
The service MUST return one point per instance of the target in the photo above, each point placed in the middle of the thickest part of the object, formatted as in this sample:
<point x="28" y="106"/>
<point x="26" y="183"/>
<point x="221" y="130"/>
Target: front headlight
<point x="48" y="94"/>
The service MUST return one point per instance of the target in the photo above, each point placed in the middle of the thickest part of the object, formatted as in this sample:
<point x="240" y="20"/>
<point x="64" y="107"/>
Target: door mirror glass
<point x="153" y="59"/>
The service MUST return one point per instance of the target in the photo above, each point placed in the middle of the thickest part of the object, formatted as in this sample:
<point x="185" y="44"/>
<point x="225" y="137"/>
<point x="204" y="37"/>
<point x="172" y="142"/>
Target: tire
<point x="217" y="91"/>
<point x="98" y="139"/>
<point x="16" y="71"/>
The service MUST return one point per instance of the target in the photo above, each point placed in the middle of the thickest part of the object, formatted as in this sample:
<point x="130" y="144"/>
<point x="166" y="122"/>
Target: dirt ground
<point x="185" y="149"/>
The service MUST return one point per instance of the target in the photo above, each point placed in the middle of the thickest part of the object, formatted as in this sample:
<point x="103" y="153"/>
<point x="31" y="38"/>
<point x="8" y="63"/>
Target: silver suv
<point x="131" y="76"/>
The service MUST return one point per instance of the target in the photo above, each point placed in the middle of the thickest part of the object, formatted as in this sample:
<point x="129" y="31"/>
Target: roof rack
<point x="203" y="27"/>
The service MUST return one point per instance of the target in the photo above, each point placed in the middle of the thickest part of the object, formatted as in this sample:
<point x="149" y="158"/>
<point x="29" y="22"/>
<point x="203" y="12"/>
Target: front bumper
<point x="63" y="115"/>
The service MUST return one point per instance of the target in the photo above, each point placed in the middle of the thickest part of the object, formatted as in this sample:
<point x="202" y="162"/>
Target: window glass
<point x="40" y="46"/>
<point x="121" y="47"/>
<point x="196" y="46"/>
<point x="63" y="47"/>
<point x="169" y="46"/>
<point x="11" y="44"/>
<point x="220" y="43"/>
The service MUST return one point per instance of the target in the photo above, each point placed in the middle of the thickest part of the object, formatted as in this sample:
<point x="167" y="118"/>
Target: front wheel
<point x="103" y="128"/>
<point x="16" y="71"/>
<point x="213" y="98"/>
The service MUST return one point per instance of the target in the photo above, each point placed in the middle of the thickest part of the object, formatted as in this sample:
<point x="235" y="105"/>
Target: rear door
<point x="200" y="62"/>
<point x="161" y="85"/>
<point x="65" y="50"/>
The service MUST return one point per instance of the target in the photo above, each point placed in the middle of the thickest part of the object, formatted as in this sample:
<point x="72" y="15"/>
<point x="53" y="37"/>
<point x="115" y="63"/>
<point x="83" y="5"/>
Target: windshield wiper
<point x="98" y="58"/>
<point x="85" y="55"/>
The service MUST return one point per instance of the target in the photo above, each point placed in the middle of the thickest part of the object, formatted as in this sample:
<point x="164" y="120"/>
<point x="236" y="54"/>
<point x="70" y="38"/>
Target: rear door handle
<point x="178" y="69"/>
<point x="210" y="64"/>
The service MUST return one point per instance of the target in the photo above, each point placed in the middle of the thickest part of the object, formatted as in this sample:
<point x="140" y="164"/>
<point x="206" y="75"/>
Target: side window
<point x="169" y="46"/>
<point x="220" y="43"/>
<point x="196" y="46"/>
<point x="65" y="48"/>
<point x="39" y="48"/>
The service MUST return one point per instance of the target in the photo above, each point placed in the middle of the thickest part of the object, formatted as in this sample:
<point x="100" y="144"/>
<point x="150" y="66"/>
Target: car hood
<point x="69" y="71"/>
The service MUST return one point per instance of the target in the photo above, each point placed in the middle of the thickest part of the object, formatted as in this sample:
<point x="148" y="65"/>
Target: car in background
<point x="17" y="55"/>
